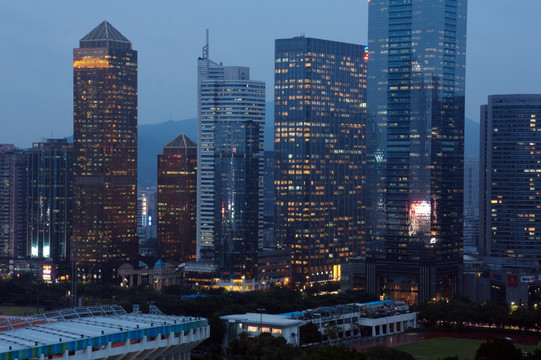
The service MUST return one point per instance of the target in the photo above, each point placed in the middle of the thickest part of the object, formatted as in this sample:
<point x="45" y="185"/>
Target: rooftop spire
<point x="206" y="48"/>
<point x="103" y="35"/>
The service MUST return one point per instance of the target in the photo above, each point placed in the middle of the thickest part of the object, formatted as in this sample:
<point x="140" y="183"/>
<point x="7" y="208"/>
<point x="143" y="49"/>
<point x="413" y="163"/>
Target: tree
<point x="264" y="346"/>
<point x="535" y="355"/>
<point x="498" y="349"/>
<point x="385" y="353"/>
<point x="331" y="330"/>
<point x="310" y="334"/>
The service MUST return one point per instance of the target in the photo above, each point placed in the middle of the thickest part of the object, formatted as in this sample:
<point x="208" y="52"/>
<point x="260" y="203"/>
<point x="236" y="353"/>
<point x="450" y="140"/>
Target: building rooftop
<point x="181" y="141"/>
<point x="378" y="308"/>
<point x="102" y="35"/>
<point x="267" y="319"/>
<point x="74" y="329"/>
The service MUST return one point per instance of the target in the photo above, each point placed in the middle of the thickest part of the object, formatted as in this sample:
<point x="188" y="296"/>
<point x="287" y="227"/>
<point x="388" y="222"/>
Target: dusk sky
<point x="37" y="39"/>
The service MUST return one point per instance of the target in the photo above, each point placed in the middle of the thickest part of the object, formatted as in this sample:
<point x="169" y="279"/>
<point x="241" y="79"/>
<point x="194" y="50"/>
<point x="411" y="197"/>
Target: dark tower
<point x="50" y="173"/>
<point x="105" y="152"/>
<point x="177" y="200"/>
<point x="13" y="190"/>
<point x="415" y="146"/>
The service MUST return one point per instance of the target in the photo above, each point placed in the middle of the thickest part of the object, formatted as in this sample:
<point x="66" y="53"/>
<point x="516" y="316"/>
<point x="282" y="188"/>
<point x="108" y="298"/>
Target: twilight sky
<point x="37" y="38"/>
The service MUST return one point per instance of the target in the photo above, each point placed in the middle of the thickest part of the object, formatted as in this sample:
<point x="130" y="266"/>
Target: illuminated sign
<point x="527" y="279"/>
<point x="419" y="218"/>
<point x="47" y="272"/>
<point x="512" y="280"/>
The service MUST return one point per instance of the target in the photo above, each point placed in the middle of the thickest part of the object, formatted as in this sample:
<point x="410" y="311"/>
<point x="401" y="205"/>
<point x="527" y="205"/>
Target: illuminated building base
<point x="414" y="282"/>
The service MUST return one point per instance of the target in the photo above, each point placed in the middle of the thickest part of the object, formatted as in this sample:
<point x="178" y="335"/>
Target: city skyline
<point x="167" y="86"/>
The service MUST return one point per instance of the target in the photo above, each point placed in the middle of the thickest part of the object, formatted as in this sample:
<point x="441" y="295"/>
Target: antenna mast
<point x="206" y="48"/>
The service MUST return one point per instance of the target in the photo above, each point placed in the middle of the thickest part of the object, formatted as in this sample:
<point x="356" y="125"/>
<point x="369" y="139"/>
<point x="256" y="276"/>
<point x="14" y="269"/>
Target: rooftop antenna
<point x="206" y="48"/>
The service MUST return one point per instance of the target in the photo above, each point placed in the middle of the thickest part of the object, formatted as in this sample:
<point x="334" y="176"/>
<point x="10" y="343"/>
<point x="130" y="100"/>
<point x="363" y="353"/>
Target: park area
<point x="18" y="310"/>
<point x="437" y="345"/>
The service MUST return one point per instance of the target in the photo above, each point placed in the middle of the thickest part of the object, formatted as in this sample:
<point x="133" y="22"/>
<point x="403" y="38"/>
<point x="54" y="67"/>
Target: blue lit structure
<point x="100" y="332"/>
<point x="415" y="146"/>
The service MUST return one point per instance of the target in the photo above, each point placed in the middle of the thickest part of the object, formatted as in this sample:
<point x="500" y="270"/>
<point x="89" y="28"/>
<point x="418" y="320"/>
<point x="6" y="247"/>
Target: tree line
<point x="461" y="313"/>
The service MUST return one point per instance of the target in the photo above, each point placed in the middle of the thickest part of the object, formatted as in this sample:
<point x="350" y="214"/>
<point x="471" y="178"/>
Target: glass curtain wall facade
<point x="105" y="151"/>
<point x="320" y="104"/>
<point x="177" y="200"/>
<point x="231" y="116"/>
<point x="50" y="174"/>
<point x="510" y="200"/>
<point x="13" y="191"/>
<point x="416" y="79"/>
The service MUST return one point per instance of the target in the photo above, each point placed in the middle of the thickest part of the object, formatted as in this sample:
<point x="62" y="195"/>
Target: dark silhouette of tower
<point x="50" y="188"/>
<point x="415" y="147"/>
<point x="177" y="200"/>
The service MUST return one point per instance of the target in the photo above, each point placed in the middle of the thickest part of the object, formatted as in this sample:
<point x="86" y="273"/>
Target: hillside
<point x="152" y="138"/>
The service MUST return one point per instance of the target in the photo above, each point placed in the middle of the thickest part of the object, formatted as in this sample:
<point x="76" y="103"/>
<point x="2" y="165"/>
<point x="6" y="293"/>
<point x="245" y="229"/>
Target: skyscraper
<point x="320" y="101"/>
<point x="471" y="201"/>
<point x="50" y="173"/>
<point x="13" y="190"/>
<point x="510" y="200"/>
<point x="105" y="152"/>
<point x="231" y="116"/>
<point x="415" y="143"/>
<point x="177" y="200"/>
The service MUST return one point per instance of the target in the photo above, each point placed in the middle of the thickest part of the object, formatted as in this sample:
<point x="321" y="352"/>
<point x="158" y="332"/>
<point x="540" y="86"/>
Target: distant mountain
<point x="151" y="140"/>
<point x="153" y="137"/>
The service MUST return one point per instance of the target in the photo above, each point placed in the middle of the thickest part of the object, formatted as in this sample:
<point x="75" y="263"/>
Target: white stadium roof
<point x="67" y="331"/>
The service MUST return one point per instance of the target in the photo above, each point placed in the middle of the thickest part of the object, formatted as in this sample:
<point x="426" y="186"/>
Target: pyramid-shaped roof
<point x="104" y="35"/>
<point x="181" y="141"/>
<point x="180" y="145"/>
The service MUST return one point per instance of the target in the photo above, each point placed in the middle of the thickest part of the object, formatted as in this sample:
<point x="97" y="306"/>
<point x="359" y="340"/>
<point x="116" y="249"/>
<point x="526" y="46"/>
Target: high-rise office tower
<point x="415" y="147"/>
<point x="471" y="186"/>
<point x="146" y="214"/>
<point x="13" y="190"/>
<point x="471" y="201"/>
<point x="105" y="152"/>
<point x="510" y="180"/>
<point x="231" y="116"/>
<point x="320" y="104"/>
<point x="177" y="200"/>
<point x="50" y="187"/>
<point x="268" y="200"/>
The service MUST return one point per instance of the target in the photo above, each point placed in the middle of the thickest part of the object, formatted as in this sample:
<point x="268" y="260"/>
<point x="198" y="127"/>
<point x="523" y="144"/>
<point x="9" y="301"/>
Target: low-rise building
<point x="341" y="322"/>
<point x="255" y="324"/>
<point x="159" y="276"/>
